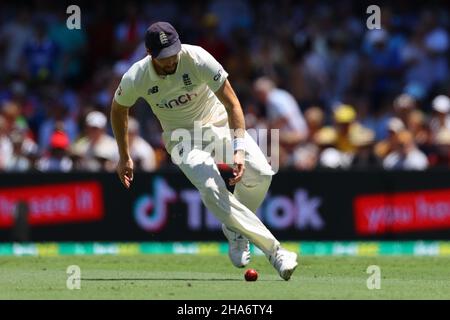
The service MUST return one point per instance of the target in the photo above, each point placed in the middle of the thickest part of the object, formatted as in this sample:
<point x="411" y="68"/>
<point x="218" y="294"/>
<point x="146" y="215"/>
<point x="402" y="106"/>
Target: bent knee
<point x="213" y="187"/>
<point x="253" y="178"/>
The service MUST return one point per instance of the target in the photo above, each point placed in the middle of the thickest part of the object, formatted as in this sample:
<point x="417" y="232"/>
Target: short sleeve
<point x="125" y="94"/>
<point x="211" y="71"/>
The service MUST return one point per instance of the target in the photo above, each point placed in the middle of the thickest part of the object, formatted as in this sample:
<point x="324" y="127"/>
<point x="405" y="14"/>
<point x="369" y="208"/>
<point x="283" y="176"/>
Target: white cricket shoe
<point x="238" y="248"/>
<point x="284" y="262"/>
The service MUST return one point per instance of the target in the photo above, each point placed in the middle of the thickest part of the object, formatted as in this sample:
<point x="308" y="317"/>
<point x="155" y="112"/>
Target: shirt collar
<point x="154" y="76"/>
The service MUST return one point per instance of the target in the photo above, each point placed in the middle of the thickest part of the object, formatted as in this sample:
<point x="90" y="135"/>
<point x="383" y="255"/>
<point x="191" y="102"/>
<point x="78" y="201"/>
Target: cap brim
<point x="169" y="51"/>
<point x="95" y="125"/>
<point x="441" y="109"/>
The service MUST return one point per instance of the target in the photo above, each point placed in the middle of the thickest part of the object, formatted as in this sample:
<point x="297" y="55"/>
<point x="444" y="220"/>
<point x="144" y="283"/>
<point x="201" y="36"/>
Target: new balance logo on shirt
<point x="153" y="90"/>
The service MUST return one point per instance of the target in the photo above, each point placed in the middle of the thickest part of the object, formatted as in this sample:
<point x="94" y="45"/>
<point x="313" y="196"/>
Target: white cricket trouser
<point x="235" y="210"/>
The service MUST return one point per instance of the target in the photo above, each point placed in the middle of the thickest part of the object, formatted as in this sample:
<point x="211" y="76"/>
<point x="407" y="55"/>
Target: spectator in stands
<point x="345" y="123"/>
<point x="57" y="112"/>
<point x="14" y="119"/>
<point x="232" y="15"/>
<point x="441" y="116"/>
<point x="386" y="146"/>
<point x="40" y="55"/>
<point x="211" y="41"/>
<point x="403" y="105"/>
<point x="315" y="120"/>
<point x="343" y="65"/>
<point x="57" y="158"/>
<point x="406" y="155"/>
<point x="384" y="61"/>
<point x="28" y="105"/>
<point x="129" y="33"/>
<point x="441" y="156"/>
<point x="6" y="148"/>
<point x="14" y="35"/>
<point x="305" y="156"/>
<point x="364" y="158"/>
<point x="283" y="113"/>
<point x="72" y="48"/>
<point x="24" y="152"/>
<point x="418" y="126"/>
<point x="141" y="151"/>
<point x="96" y="151"/>
<point x="430" y="66"/>
<point x="329" y="156"/>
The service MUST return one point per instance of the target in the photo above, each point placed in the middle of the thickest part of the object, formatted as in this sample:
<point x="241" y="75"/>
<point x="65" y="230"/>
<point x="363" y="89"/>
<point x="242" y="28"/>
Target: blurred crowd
<point x="341" y="95"/>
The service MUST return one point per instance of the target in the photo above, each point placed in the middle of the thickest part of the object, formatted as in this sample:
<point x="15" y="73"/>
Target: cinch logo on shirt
<point x="181" y="100"/>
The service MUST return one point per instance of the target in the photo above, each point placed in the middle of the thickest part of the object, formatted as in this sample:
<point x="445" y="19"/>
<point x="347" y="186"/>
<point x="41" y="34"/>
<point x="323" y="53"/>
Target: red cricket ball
<point x="251" y="275"/>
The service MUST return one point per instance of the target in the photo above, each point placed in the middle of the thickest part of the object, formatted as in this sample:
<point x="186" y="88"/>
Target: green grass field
<point x="213" y="277"/>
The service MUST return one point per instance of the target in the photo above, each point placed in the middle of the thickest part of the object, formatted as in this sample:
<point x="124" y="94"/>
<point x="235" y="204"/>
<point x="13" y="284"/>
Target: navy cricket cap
<point x="163" y="40"/>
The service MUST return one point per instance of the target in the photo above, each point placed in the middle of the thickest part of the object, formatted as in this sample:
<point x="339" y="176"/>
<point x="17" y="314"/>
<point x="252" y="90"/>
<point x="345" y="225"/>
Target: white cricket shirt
<point x="179" y="99"/>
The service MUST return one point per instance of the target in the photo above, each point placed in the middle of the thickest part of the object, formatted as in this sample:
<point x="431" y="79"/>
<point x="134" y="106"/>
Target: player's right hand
<point x="125" y="172"/>
<point x="238" y="167"/>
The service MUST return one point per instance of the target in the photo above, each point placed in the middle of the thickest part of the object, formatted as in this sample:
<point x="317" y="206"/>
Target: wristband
<point x="239" y="144"/>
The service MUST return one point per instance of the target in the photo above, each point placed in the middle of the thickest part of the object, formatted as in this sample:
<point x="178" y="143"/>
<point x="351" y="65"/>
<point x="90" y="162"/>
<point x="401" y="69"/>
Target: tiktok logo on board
<point x="150" y="211"/>
<point x="280" y="212"/>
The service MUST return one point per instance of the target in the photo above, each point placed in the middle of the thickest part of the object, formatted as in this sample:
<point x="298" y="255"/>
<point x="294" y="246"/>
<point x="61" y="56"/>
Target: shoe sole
<point x="240" y="266"/>
<point x="286" y="274"/>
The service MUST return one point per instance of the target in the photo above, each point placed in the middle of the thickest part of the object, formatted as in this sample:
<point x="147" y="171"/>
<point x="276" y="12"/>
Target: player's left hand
<point x="125" y="171"/>
<point x="238" y="167"/>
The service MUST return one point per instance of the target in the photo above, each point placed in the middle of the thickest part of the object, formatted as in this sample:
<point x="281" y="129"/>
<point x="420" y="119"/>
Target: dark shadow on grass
<point x="165" y="279"/>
